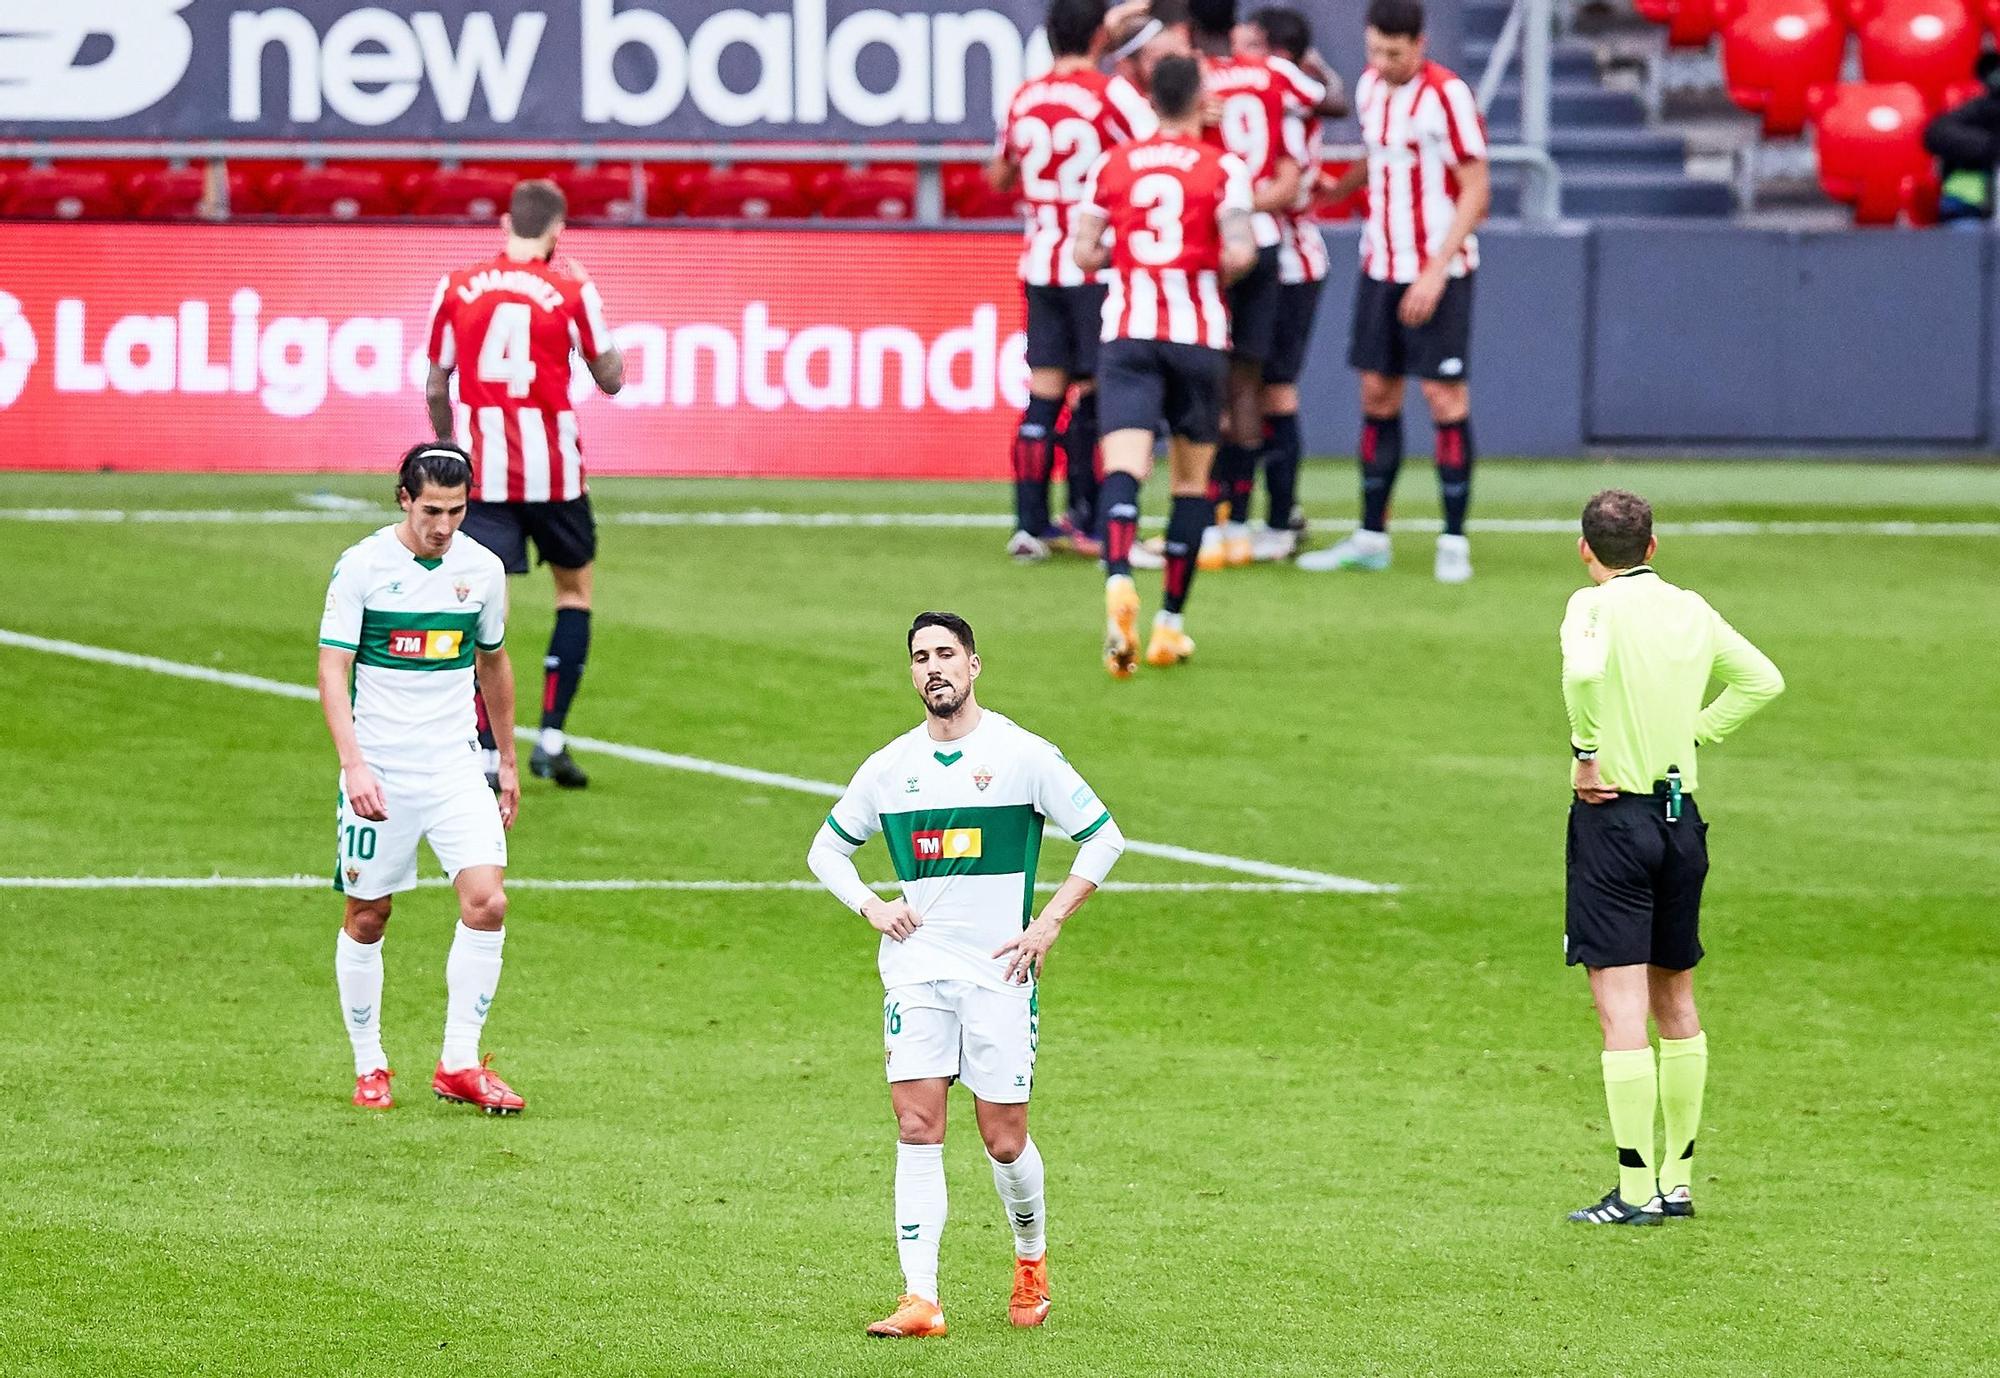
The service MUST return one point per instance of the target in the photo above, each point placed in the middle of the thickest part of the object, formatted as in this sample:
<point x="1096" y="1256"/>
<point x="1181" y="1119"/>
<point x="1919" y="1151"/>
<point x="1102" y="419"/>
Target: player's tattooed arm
<point x="437" y="397"/>
<point x="1086" y="245"/>
<point x="607" y="370"/>
<point x="1239" y="245"/>
<point x="1334" y="104"/>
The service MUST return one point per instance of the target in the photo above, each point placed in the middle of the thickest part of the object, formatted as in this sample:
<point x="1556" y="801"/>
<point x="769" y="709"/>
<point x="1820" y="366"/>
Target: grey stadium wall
<point x="1709" y="338"/>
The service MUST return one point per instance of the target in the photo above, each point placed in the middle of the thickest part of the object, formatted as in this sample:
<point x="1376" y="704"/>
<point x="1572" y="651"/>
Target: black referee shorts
<point x="564" y="533"/>
<point x="1440" y="349"/>
<point x="1063" y="326"/>
<point x="1634" y="885"/>
<point x="1142" y="384"/>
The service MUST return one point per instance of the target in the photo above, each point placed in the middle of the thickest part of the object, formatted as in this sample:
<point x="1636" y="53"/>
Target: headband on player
<point x="1148" y="31"/>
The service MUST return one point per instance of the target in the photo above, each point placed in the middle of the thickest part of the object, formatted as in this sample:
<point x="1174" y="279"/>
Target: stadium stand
<point x="1777" y="55"/>
<point x="1871" y="152"/>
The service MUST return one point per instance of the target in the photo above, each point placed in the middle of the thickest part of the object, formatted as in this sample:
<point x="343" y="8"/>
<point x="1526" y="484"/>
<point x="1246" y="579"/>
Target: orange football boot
<point x="1214" y="553"/>
<point x="477" y="1086"/>
<point x="1121" y="627"/>
<point x="915" y="1318"/>
<point x="371" y="1090"/>
<point x="1168" y="646"/>
<point x="1030" y="1303"/>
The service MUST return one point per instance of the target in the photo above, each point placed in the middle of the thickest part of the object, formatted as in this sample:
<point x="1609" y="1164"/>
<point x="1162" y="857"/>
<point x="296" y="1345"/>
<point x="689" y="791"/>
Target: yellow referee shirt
<point x="1638" y="654"/>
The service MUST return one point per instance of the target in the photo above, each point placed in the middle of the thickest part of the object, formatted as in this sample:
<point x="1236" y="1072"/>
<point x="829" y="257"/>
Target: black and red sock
<point x="1033" y="457"/>
<point x="1454" y="466"/>
<point x="1381" y="458"/>
<point x="1282" y="452"/>
<point x="1185" y="523"/>
<point x="1080" y="462"/>
<point x="1119" y="498"/>
<point x="562" y="668"/>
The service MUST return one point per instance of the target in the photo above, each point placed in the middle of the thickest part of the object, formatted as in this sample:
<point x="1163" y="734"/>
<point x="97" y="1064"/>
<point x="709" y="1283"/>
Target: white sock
<point x="920" y="1211"/>
<point x="552" y="740"/>
<point x="357" y="970"/>
<point x="471" y="975"/>
<point x="1020" y="1186"/>
<point x="1163" y="618"/>
<point x="492" y="755"/>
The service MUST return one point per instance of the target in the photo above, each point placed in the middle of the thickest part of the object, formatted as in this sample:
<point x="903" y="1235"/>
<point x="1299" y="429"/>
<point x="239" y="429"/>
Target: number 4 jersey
<point x="509" y="328"/>
<point x="1056" y="127"/>
<point x="1164" y="199"/>
<point x="413" y="625"/>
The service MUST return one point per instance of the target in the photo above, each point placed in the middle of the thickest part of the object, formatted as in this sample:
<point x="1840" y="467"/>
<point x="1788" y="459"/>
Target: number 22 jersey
<point x="1056" y="127"/>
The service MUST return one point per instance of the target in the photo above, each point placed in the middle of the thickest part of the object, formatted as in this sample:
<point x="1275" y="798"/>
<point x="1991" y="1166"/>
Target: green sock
<point x="1683" y="1074"/>
<point x="1631" y="1088"/>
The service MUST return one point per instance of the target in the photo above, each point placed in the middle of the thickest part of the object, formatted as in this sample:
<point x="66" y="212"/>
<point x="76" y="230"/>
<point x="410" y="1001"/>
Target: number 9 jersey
<point x="1163" y="199"/>
<point x="509" y="327"/>
<point x="1056" y="127"/>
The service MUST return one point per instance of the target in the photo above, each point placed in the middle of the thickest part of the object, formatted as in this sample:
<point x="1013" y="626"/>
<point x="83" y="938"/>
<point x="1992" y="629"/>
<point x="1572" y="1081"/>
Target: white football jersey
<point x="413" y="625"/>
<point x="963" y="822"/>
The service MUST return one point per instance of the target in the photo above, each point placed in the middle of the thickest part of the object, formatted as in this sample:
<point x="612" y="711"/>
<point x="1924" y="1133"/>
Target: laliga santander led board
<point x="792" y="353"/>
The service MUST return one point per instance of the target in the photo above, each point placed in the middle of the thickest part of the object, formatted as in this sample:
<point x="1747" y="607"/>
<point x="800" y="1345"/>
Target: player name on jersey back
<point x="509" y="327"/>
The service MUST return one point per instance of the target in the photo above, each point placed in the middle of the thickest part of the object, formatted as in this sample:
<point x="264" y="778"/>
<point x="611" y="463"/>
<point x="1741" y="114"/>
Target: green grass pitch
<point x="1286" y="1133"/>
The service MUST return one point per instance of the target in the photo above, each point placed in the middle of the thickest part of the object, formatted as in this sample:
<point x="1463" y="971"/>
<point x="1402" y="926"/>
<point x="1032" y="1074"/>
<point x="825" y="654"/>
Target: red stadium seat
<point x="1871" y="152"/>
<point x="744" y="193"/>
<point x="338" y="192"/>
<point x="169" y="193"/>
<point x="62" y="193"/>
<point x="883" y="192"/>
<point x="1690" y="23"/>
<point x="606" y="193"/>
<point x="969" y="196"/>
<point x="1931" y="44"/>
<point x="464" y="193"/>
<point x="1777" y="53"/>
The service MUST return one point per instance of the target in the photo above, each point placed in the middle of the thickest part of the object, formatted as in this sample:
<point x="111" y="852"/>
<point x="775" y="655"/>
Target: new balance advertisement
<point x="295" y="348"/>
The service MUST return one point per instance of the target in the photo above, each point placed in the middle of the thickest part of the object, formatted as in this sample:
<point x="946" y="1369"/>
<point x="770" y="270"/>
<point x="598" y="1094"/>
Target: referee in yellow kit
<point x="1637" y="657"/>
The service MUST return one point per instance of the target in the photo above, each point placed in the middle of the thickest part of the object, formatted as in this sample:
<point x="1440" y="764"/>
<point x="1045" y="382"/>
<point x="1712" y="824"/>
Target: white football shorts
<point x="958" y="1029"/>
<point x="448" y="805"/>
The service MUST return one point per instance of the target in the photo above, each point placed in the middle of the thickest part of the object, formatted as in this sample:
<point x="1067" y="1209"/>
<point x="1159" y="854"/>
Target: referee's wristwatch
<point x="1583" y="753"/>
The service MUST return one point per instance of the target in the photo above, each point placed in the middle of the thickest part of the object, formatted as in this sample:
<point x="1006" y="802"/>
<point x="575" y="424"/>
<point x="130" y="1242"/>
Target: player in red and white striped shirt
<point x="507" y="327"/>
<point x="1057" y="125"/>
<point x="1251" y="98"/>
<point x="1302" y="271"/>
<point x="1428" y="189"/>
<point x="1178" y="211"/>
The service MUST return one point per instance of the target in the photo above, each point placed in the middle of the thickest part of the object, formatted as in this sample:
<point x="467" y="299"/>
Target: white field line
<point x="1129" y="887"/>
<point x="643" y="755"/>
<point x="982" y="521"/>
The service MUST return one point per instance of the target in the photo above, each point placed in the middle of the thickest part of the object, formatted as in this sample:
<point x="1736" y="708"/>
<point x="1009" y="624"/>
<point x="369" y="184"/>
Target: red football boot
<point x="371" y="1090"/>
<point x="477" y="1086"/>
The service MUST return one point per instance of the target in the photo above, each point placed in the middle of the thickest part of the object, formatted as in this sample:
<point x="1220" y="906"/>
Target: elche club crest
<point x="463" y="589"/>
<point x="353" y="875"/>
<point x="982" y="777"/>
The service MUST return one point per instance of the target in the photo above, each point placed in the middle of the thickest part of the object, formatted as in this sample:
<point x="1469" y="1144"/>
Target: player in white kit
<point x="413" y="612"/>
<point x="961" y="800"/>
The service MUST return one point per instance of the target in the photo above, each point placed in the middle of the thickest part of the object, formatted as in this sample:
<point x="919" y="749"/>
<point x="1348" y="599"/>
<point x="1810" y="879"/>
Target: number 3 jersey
<point x="963" y="821"/>
<point x="509" y="328"/>
<point x="413" y="625"/>
<point x="1056" y="127"/>
<point x="1164" y="198"/>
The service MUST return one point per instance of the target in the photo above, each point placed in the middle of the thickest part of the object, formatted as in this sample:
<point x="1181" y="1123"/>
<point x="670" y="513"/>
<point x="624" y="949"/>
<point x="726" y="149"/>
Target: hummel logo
<point x="910" y="1232"/>
<point x="1024" y="1218"/>
<point x="361" y="1014"/>
<point x="485" y="1004"/>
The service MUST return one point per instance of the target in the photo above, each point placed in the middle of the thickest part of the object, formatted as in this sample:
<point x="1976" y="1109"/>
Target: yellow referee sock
<point x="1683" y="1076"/>
<point x="1631" y="1090"/>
